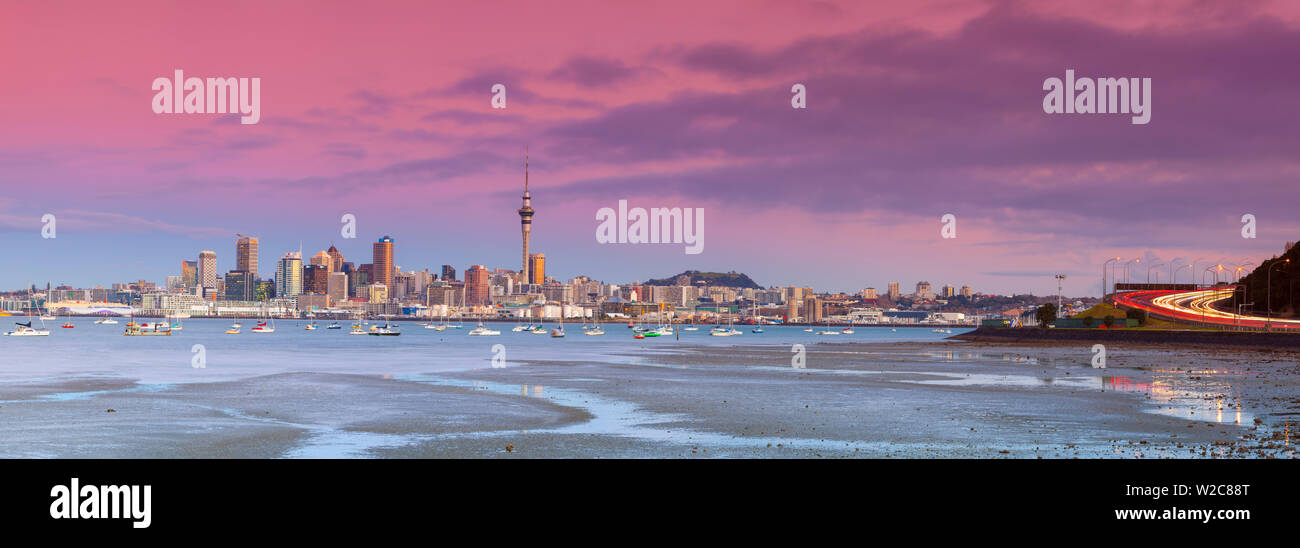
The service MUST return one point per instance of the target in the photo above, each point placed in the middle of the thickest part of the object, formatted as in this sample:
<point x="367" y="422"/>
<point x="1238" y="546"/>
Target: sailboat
<point x="848" y="330"/>
<point x="558" y="332"/>
<point x="827" y="330"/>
<point x="106" y="321"/>
<point x="67" y="324"/>
<point x="26" y="330"/>
<point x="482" y="330"/>
<point x="595" y="329"/>
<point x="385" y="330"/>
<point x="262" y="326"/>
<point x="311" y="326"/>
<point x="334" y="325"/>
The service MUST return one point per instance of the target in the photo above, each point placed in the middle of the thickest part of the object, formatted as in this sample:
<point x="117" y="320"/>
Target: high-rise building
<point x="189" y="273"/>
<point x="336" y="265"/>
<point x="337" y="287"/>
<point x="246" y="255"/>
<point x="894" y="292"/>
<point x="537" y="268"/>
<point x="207" y="269"/>
<point x="949" y="292"/>
<point x="813" y="309"/>
<point x="383" y="261"/>
<point x="966" y="291"/>
<point x="323" y="259"/>
<point x="869" y="293"/>
<point x="448" y="273"/>
<point x="923" y="291"/>
<point x="240" y="286"/>
<point x="315" y="279"/>
<point x="476" y="285"/>
<point x="288" y="275"/>
<point x="526" y="221"/>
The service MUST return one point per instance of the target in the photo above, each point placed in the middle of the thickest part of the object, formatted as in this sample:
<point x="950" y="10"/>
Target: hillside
<point x="714" y="279"/>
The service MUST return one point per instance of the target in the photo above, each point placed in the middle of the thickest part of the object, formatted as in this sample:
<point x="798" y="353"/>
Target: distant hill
<point x="723" y="279"/>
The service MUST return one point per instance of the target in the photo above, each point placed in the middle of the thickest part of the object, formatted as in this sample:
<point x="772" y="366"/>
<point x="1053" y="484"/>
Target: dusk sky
<point x="914" y="110"/>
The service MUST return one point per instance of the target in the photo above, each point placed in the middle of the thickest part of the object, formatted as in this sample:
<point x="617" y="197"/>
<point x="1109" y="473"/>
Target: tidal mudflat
<point x="904" y="400"/>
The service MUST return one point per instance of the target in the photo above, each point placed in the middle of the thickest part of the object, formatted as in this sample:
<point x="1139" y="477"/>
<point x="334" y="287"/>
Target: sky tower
<point x="526" y="221"/>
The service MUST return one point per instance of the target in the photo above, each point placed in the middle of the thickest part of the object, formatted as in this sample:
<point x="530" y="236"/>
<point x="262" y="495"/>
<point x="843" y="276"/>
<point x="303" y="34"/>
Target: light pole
<point x="1173" y="276"/>
<point x="1059" y="278"/>
<point x="1128" y="264"/>
<point x="1103" y="276"/>
<point x="1268" y="298"/>
<point x="1149" y="267"/>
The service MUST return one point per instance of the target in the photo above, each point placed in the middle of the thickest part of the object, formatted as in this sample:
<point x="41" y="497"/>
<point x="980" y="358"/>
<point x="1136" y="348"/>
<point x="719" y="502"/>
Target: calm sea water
<point x="90" y="349"/>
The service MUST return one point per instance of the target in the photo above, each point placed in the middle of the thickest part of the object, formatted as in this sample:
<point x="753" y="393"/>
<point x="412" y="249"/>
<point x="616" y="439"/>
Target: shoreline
<point x="1244" y="340"/>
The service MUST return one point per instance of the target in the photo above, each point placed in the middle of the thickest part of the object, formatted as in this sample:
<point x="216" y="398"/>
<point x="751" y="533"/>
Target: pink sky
<point x="916" y="109"/>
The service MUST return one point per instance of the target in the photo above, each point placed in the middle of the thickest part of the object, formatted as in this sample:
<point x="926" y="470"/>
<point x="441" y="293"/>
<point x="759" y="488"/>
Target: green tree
<point x="1136" y="314"/>
<point x="1109" y="321"/>
<point x="1087" y="322"/>
<point x="1046" y="314"/>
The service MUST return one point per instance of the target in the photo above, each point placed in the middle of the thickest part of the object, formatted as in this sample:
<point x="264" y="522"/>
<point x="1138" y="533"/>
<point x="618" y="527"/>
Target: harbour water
<point x="879" y="392"/>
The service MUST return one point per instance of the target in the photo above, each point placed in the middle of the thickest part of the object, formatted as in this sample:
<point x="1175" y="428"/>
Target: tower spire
<point x="525" y="169"/>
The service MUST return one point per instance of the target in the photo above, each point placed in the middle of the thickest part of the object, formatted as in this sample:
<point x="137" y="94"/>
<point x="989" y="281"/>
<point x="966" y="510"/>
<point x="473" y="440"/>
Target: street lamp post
<point x="1128" y="264"/>
<point x="1103" y="276"/>
<point x="1157" y="272"/>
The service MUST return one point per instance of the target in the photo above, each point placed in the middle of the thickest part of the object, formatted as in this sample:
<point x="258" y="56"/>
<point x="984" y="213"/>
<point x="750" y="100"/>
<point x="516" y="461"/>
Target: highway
<point x="1196" y="306"/>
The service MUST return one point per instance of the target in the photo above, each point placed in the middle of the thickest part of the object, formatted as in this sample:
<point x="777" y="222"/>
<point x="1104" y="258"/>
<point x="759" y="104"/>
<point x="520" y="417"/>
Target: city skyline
<point x="913" y="112"/>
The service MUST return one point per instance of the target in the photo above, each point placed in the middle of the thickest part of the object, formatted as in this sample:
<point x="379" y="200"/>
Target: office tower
<point x="240" y="286"/>
<point x="364" y="275"/>
<point x="336" y="265"/>
<point x="315" y="279"/>
<point x="923" y="291"/>
<point x="966" y="291"/>
<point x="288" y="275"/>
<point x="537" y="268"/>
<point x="448" y="273"/>
<point x="378" y="293"/>
<point x="526" y="220"/>
<point x="207" y="269"/>
<point x="189" y="273"/>
<point x="894" y="293"/>
<point x="949" y="292"/>
<point x="246" y="255"/>
<point x="869" y="293"/>
<point x="337" y="287"/>
<point x="323" y="259"/>
<point x="476" y="285"/>
<point x="813" y="309"/>
<point x="383" y="261"/>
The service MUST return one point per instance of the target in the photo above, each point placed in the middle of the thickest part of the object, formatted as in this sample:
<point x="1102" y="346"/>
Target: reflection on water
<point x="1187" y="394"/>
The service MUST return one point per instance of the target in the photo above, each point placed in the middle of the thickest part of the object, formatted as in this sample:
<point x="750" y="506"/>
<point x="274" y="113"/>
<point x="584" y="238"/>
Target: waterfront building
<point x="288" y="275"/>
<point x="383" y="261"/>
<point x="476" y="286"/>
<point x="207" y="269"/>
<point x="337" y="287"/>
<point x="246" y="255"/>
<point x="189" y="273"/>
<point x="336" y="259"/>
<point x="240" y="286"/>
<point x="537" y="268"/>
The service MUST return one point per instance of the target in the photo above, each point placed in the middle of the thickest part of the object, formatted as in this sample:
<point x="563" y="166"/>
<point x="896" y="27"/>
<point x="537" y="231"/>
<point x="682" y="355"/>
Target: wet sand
<point x="909" y="400"/>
